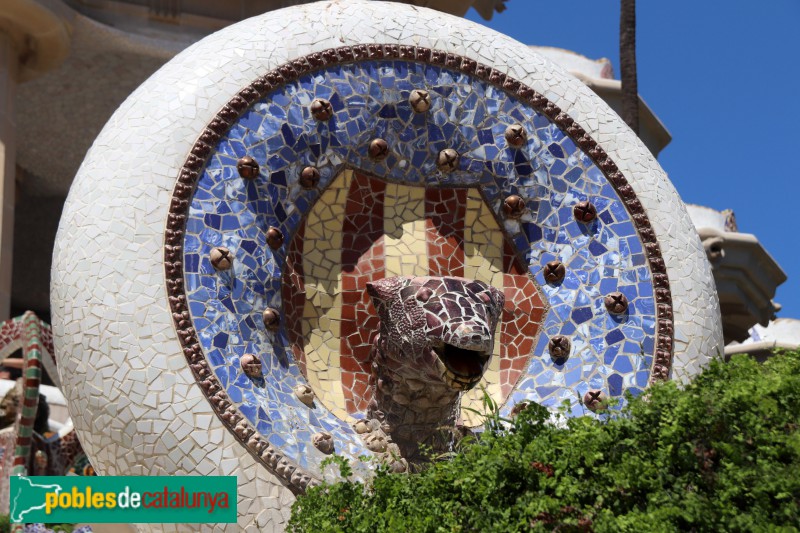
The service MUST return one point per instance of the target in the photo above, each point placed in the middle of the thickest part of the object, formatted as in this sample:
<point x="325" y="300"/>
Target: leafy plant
<point x="721" y="454"/>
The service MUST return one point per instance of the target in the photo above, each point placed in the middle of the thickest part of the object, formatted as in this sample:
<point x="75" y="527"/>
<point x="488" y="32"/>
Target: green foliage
<point x="723" y="454"/>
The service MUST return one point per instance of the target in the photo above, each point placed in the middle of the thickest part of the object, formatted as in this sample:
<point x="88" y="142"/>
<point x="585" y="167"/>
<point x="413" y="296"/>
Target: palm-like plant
<point x="627" y="62"/>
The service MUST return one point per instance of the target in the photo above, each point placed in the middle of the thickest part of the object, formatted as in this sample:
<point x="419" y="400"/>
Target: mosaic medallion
<point x="362" y="163"/>
<point x="208" y="279"/>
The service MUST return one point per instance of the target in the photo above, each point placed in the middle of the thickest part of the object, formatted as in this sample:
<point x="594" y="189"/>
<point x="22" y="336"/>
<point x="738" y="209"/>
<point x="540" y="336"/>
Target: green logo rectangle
<point x="123" y="499"/>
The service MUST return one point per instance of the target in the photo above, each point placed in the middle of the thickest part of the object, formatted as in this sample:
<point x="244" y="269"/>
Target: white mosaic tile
<point x="111" y="319"/>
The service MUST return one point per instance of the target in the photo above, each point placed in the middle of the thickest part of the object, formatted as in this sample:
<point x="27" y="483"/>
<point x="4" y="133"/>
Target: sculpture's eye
<point x="424" y="294"/>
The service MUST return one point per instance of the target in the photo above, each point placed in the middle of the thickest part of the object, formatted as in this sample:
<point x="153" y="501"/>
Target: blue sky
<point x="724" y="79"/>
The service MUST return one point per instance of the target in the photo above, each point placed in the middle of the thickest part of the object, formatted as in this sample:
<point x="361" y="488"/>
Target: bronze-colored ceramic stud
<point x="378" y="149"/>
<point x="447" y="160"/>
<point x="616" y="303"/>
<point x="559" y="347"/>
<point x="594" y="399"/>
<point x="516" y="135"/>
<point x="321" y="109"/>
<point x="309" y="177"/>
<point x="420" y="100"/>
<point x="247" y="167"/>
<point x="514" y="206"/>
<point x="584" y="211"/>
<point x="554" y="272"/>
<point x="274" y="238"/>
<point x="271" y="318"/>
<point x="221" y="258"/>
<point x="251" y="366"/>
<point x="305" y="394"/>
<point x="323" y="441"/>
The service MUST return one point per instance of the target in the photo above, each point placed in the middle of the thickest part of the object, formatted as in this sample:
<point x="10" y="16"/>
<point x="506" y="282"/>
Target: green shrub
<point x="723" y="454"/>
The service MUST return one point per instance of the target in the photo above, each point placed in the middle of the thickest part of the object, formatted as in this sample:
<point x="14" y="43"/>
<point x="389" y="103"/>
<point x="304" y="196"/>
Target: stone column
<point x="8" y="84"/>
<point x="34" y="38"/>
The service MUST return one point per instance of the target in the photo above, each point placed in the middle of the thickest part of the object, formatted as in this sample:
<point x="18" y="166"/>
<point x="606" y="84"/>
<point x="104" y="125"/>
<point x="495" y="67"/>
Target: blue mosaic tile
<point x="370" y="100"/>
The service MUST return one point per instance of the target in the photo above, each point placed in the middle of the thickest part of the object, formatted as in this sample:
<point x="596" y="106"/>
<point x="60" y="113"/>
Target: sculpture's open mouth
<point x="460" y="368"/>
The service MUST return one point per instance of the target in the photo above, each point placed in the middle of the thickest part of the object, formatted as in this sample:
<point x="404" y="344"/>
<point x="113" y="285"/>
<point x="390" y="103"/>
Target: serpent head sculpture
<point x="435" y="340"/>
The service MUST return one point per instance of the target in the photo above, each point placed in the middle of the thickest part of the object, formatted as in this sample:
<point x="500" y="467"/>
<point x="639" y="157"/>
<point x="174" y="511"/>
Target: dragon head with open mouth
<point x="435" y="340"/>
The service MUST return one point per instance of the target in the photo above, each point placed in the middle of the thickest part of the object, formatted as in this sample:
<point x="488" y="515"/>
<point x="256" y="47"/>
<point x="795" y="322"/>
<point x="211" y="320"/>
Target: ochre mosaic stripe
<point x="323" y="283"/>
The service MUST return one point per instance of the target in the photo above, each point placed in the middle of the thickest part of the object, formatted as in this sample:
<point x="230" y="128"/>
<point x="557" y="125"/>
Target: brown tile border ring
<point x="296" y="478"/>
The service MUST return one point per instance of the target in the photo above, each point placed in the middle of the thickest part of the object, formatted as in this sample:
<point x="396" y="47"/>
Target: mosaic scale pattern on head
<point x="439" y="328"/>
<point x="435" y="340"/>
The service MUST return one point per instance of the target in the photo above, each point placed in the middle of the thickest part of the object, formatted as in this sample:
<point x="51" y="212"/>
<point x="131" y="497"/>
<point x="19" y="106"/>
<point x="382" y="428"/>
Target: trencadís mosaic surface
<point x="367" y="162"/>
<point x="144" y="397"/>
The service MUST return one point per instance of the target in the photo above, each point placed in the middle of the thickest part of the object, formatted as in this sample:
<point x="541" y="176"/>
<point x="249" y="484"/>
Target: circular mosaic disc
<point x="214" y="250"/>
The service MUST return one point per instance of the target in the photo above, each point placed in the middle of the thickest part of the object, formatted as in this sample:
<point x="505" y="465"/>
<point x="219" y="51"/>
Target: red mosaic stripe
<point x="445" y="212"/>
<point x="362" y="262"/>
<point x="293" y="294"/>
<point x="522" y="315"/>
